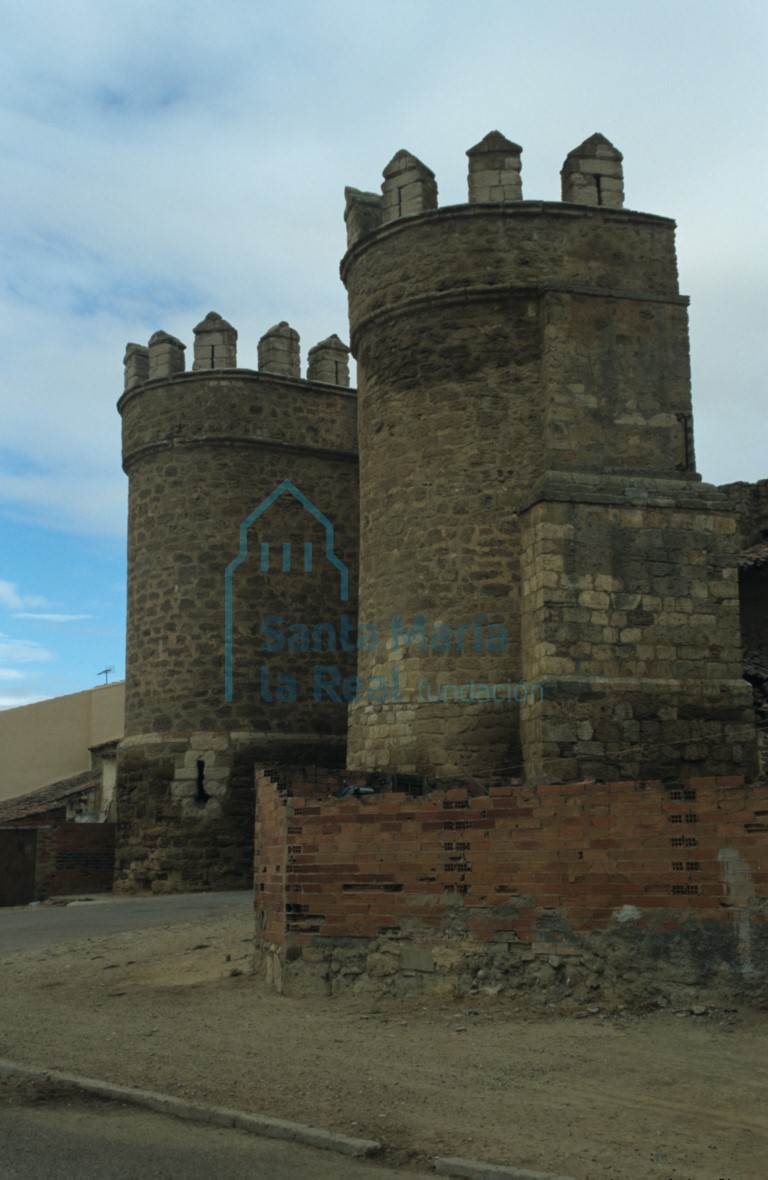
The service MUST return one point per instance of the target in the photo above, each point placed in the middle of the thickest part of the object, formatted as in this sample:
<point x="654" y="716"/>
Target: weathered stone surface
<point x="166" y="356"/>
<point x="328" y="361"/>
<point x="494" y="169"/>
<point x="215" y="343"/>
<point x="279" y="351"/>
<point x="409" y="187"/>
<point x="592" y="174"/>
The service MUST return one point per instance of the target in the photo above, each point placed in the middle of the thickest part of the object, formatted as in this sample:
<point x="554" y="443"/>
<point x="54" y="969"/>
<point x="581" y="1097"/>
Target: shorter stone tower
<point x="242" y="541"/>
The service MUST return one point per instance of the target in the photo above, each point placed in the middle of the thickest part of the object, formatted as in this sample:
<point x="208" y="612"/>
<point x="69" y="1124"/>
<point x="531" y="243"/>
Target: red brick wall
<point x="75" y="858"/>
<point x="538" y="866"/>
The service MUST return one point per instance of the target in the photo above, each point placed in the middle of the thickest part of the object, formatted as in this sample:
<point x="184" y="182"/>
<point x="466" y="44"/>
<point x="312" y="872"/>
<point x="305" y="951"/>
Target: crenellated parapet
<point x="215" y="351"/>
<point x="591" y="175"/>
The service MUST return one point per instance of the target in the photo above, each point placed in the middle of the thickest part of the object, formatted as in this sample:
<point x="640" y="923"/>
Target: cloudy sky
<point x="162" y="158"/>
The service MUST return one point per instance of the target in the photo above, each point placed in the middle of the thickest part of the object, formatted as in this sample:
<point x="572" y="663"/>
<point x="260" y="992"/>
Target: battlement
<point x="592" y="175"/>
<point x="215" y="349"/>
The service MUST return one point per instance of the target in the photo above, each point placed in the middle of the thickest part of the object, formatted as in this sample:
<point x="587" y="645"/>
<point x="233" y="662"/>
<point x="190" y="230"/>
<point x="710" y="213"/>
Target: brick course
<point x="521" y="868"/>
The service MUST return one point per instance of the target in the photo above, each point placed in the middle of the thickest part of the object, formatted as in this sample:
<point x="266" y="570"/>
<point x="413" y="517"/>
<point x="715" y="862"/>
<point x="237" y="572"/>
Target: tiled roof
<point x="47" y="798"/>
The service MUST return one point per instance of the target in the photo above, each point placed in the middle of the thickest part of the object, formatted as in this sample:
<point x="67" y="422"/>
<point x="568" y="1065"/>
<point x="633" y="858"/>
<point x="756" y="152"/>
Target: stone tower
<point x="242" y="525"/>
<point x="553" y="588"/>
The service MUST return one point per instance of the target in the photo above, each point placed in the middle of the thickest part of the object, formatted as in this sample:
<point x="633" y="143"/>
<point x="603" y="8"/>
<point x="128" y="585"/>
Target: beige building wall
<point x="50" y="740"/>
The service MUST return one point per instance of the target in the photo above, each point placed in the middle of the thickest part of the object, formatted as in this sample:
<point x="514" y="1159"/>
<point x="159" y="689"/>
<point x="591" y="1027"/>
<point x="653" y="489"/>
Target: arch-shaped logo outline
<point x="286" y="486"/>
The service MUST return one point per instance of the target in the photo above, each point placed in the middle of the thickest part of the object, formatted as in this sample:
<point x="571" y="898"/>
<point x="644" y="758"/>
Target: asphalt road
<point x="44" y="927"/>
<point x="106" y="1142"/>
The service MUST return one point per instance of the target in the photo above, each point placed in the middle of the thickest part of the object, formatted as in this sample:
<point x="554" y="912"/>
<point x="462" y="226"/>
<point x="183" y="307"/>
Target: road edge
<point x="257" y="1124"/>
<point x="213" y="1116"/>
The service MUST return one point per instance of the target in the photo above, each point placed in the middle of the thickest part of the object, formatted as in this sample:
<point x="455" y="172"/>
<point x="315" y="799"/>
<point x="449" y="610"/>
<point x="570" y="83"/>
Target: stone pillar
<point x="279" y="351"/>
<point x="592" y="174"/>
<point x="215" y="343"/>
<point x="409" y="187"/>
<point x="166" y="356"/>
<point x="494" y="170"/>
<point x="136" y="362"/>
<point x="363" y="213"/>
<point x="329" y="361"/>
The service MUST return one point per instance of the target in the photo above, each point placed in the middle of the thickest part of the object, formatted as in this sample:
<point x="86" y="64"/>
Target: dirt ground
<point x="601" y="1096"/>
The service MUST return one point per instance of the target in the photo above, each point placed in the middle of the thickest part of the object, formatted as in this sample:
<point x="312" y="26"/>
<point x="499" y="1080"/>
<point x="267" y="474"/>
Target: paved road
<point x="106" y="1142"/>
<point x="44" y="927"/>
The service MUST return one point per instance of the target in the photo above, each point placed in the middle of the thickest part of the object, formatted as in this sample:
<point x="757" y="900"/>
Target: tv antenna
<point x="105" y="673"/>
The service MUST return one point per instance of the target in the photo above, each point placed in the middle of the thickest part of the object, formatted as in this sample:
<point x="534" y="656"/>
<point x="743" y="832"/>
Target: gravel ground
<point x="662" y="1096"/>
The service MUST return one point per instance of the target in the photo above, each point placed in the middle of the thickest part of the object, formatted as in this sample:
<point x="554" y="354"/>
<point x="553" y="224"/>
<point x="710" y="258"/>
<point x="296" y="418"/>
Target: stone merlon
<point x="592" y="174"/>
<point x="494" y="169"/>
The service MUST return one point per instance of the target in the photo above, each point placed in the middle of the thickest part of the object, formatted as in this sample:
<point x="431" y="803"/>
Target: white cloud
<point x="53" y="618"/>
<point x="12" y="600"/>
<point x="81" y="503"/>
<point x="23" y="651"/>
<point x="10" y="674"/>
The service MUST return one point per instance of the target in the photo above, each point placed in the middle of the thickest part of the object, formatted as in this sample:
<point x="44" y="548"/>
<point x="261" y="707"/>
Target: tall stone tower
<point x="242" y="525"/>
<point x="553" y="587"/>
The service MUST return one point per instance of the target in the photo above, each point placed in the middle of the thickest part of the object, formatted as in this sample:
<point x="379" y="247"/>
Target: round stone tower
<point x="545" y="584"/>
<point x="242" y="543"/>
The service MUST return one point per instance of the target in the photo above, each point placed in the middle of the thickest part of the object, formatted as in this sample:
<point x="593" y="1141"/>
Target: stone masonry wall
<point x="201" y="454"/>
<point x="751" y="503"/>
<point x="616" y="382"/>
<point x="627" y="889"/>
<point x="494" y="342"/>
<point x="439" y="540"/>
<point x="631" y="628"/>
